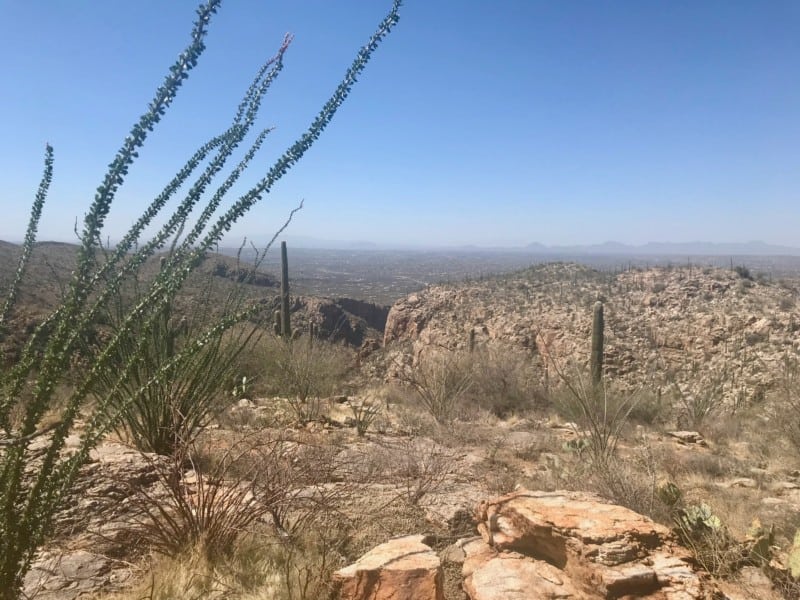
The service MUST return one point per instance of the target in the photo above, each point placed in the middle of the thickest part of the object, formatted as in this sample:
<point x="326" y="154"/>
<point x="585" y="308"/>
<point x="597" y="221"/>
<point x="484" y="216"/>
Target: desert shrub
<point x="503" y="381"/>
<point x="441" y="380"/>
<point x="707" y="465"/>
<point x="650" y="408"/>
<point x="756" y="337"/>
<point x="364" y="415"/>
<point x="259" y="567"/>
<point x="291" y="481"/>
<point x="29" y="497"/>
<point x="743" y="272"/>
<point x="168" y="395"/>
<point x="304" y="373"/>
<point x="223" y="495"/>
<point x="599" y="415"/>
<point x="423" y="468"/>
<point x="205" y="512"/>
<point x="706" y="400"/>
<point x="632" y="482"/>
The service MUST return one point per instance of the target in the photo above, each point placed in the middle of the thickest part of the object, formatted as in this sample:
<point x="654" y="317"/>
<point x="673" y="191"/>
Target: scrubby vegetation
<point x="150" y="375"/>
<point x="204" y="448"/>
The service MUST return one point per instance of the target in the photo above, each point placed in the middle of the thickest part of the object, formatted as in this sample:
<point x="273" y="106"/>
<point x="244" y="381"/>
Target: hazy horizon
<point x="610" y="247"/>
<point x="496" y="125"/>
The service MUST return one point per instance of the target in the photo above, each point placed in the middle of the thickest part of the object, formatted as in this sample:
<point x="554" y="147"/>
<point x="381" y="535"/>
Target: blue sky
<point x="487" y="123"/>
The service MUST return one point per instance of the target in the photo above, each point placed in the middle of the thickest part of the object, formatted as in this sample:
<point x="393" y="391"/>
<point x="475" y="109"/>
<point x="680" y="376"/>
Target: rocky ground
<point x="493" y="503"/>
<point x="694" y="327"/>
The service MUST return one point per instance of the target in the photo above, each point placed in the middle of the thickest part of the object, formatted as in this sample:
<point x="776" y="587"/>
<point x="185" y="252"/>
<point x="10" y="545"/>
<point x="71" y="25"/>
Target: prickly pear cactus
<point x="698" y="518"/>
<point x="669" y="493"/>
<point x="760" y="543"/>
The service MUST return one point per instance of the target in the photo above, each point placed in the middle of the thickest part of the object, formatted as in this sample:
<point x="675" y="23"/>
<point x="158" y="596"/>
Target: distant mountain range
<point x="669" y="248"/>
<point x="690" y="249"/>
<point x="754" y="248"/>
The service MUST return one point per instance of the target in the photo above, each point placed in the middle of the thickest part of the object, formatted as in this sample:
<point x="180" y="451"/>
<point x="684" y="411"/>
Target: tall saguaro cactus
<point x="596" y="359"/>
<point x="286" y="324"/>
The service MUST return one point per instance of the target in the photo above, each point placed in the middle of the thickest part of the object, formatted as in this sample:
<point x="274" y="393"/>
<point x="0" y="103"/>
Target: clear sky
<point x="478" y="122"/>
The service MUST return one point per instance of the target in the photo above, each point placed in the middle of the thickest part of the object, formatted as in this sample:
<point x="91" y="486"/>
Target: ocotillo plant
<point x="286" y="320"/>
<point x="596" y="359"/>
<point x="35" y="479"/>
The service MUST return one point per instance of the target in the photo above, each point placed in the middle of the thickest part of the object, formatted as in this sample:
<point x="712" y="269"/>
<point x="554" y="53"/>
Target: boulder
<point x="575" y="545"/>
<point x="688" y="438"/>
<point x="492" y="575"/>
<point x="404" y="568"/>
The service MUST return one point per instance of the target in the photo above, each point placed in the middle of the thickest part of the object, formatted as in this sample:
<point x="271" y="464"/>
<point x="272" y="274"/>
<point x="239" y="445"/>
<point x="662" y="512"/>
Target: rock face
<point x="373" y="314"/>
<point x="338" y="320"/>
<point x="94" y="546"/>
<point x="401" y="569"/>
<point x="573" y="545"/>
<point x="703" y="325"/>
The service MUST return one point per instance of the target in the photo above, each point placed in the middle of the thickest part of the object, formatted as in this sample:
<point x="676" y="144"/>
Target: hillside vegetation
<point x="314" y="453"/>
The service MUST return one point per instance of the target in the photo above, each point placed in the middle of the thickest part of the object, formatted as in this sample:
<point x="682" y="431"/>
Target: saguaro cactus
<point x="286" y="324"/>
<point x="596" y="359"/>
<point x="276" y="316"/>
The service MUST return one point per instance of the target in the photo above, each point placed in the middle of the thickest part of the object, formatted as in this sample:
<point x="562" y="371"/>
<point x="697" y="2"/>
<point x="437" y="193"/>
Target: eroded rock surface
<point x="574" y="545"/>
<point x="657" y="320"/>
<point x="404" y="568"/>
<point x="94" y="543"/>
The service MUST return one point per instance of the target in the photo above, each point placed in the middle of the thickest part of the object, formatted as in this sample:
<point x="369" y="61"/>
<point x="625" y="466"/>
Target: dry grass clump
<point x="599" y="415"/>
<point x="633" y="482"/>
<point x="259" y="568"/>
<point x="460" y="384"/>
<point x="304" y="371"/>
<point x="505" y="382"/>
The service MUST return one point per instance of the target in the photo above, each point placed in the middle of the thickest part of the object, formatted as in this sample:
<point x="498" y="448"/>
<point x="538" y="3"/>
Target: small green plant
<point x="598" y="414"/>
<point x="364" y="414"/>
<point x="706" y="536"/>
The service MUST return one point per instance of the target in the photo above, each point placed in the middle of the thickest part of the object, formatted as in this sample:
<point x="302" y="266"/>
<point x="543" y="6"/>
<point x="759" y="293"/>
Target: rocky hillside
<point x="213" y="286"/>
<point x="710" y="330"/>
<point x="353" y="322"/>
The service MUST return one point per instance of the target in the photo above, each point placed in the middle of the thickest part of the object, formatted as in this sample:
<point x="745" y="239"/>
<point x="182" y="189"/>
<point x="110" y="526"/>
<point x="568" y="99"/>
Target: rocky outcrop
<point x="353" y="322"/>
<point x="572" y="545"/>
<point x="491" y="575"/>
<point x="536" y="544"/>
<point x="408" y="317"/>
<point x="226" y="268"/>
<point x="94" y="545"/>
<point x="404" y="568"/>
<point x="374" y="315"/>
<point x="702" y="326"/>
